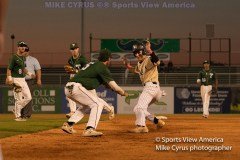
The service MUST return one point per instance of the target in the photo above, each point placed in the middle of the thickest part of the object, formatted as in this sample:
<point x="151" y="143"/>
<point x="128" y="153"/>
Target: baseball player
<point x="75" y="63"/>
<point x="77" y="89"/>
<point x="33" y="66"/>
<point x="16" y="77"/>
<point x="148" y="72"/>
<point x="208" y="80"/>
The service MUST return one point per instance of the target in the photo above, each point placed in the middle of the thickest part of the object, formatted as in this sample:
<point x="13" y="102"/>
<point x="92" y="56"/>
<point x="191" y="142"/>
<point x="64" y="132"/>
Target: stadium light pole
<point x="12" y="37"/>
<point x="190" y="49"/>
<point x="82" y="28"/>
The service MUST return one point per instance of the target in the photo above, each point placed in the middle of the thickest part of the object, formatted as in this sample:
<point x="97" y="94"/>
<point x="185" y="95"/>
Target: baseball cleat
<point x="19" y="119"/>
<point x="160" y="123"/>
<point x="68" y="129"/>
<point x="205" y="116"/>
<point x="139" y="130"/>
<point x="91" y="133"/>
<point x="69" y="115"/>
<point x="111" y="114"/>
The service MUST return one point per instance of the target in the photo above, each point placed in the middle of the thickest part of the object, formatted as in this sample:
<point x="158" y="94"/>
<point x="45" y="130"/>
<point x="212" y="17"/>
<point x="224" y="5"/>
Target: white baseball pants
<point x="82" y="96"/>
<point x="21" y="98"/>
<point x="205" y="94"/>
<point x="150" y="93"/>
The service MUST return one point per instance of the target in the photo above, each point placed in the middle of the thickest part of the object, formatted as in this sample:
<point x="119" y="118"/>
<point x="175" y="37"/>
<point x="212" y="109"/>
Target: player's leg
<point x="21" y="97"/>
<point x="17" y="107"/>
<point x="26" y="112"/>
<point x="141" y="110"/>
<point x="203" y="95"/>
<point x="157" y="120"/>
<point x="86" y="98"/>
<point x="26" y="93"/>
<point x="75" y="118"/>
<point x="207" y="100"/>
<point x="72" y="106"/>
<point x="107" y="107"/>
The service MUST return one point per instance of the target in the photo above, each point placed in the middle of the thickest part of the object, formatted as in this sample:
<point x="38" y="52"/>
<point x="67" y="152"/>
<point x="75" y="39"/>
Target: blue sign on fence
<point x="188" y="100"/>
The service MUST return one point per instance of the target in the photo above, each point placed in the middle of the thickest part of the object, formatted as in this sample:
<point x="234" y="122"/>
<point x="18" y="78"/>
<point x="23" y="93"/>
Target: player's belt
<point x="149" y="82"/>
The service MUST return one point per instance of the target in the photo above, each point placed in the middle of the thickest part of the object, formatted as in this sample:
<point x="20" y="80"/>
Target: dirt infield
<point x="117" y="143"/>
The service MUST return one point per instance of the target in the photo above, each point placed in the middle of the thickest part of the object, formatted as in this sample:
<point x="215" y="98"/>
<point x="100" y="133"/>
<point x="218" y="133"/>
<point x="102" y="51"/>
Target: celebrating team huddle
<point x="85" y="77"/>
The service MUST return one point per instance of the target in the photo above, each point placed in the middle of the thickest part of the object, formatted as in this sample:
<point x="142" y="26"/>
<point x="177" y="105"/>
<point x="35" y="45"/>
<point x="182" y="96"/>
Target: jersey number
<point x="20" y="71"/>
<point x="203" y="79"/>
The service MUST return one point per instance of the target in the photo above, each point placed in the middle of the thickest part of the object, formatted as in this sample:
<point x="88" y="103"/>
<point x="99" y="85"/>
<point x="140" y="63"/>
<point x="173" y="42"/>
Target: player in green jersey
<point x="16" y="77"/>
<point x="208" y="80"/>
<point x="75" y="63"/>
<point x="77" y="89"/>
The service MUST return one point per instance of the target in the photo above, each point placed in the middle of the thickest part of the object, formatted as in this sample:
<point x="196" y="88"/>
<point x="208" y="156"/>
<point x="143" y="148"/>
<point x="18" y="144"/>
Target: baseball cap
<point x="104" y="55"/>
<point x="21" y="44"/>
<point x="206" y="61"/>
<point x="73" y="46"/>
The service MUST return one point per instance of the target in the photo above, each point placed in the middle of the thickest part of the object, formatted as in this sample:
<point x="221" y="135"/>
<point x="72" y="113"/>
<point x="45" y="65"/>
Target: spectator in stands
<point x="170" y="66"/>
<point x="162" y="66"/>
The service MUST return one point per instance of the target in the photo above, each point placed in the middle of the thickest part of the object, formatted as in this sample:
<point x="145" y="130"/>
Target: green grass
<point x="38" y="122"/>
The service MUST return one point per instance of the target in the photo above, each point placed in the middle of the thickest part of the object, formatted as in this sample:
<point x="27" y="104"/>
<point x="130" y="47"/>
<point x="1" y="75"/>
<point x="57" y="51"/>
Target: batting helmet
<point x="137" y="48"/>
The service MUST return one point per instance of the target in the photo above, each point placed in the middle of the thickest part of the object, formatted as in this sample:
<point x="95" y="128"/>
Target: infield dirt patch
<point x="117" y="143"/>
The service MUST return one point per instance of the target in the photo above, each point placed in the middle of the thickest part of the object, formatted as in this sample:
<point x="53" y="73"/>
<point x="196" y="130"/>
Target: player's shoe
<point x="20" y="119"/>
<point x="205" y="116"/>
<point x="69" y="115"/>
<point x="139" y="129"/>
<point x="91" y="133"/>
<point x="68" y="129"/>
<point x="111" y="114"/>
<point x="159" y="122"/>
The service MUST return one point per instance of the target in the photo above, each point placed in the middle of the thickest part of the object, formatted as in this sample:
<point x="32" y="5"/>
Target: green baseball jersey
<point x="77" y="63"/>
<point x="93" y="75"/>
<point x="207" y="77"/>
<point x="17" y="65"/>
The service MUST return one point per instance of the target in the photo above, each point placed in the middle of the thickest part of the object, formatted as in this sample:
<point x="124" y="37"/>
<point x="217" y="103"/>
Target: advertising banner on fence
<point x="188" y="100"/>
<point x="45" y="100"/>
<point x="125" y="45"/>
<point x="126" y="104"/>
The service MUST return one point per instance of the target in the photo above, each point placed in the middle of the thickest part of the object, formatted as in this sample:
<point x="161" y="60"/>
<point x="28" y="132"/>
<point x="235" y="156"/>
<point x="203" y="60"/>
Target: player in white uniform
<point x="208" y="80"/>
<point x="148" y="72"/>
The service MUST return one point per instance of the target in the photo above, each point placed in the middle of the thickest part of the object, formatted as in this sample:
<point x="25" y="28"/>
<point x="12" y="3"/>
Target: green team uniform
<point x="77" y="63"/>
<point x="93" y="75"/>
<point x="207" y="77"/>
<point x="17" y="65"/>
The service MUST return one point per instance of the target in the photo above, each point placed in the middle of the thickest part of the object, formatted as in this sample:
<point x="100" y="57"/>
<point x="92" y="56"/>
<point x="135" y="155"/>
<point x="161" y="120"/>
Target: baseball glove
<point x="17" y="88"/>
<point x="214" y="91"/>
<point x="69" y="69"/>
